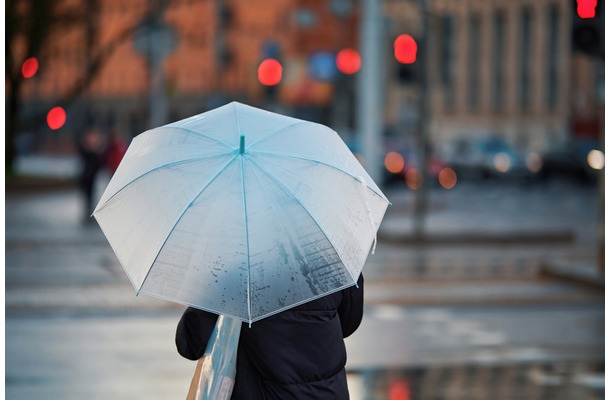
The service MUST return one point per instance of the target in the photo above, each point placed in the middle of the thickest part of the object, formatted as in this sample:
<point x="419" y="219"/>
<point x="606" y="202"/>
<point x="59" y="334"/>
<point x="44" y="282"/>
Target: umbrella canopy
<point x="241" y="211"/>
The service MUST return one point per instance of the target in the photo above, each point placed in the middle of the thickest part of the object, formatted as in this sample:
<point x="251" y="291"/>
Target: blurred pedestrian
<point x="117" y="146"/>
<point x="92" y="154"/>
<point x="295" y="354"/>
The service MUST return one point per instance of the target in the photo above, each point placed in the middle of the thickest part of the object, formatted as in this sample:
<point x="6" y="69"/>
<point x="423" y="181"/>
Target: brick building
<point x="217" y="49"/>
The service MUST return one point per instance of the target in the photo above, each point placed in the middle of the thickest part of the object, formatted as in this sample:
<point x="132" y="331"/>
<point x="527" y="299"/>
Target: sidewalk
<point x="556" y="215"/>
<point x="482" y="214"/>
<point x="434" y="310"/>
<point x="491" y="212"/>
<point x="443" y="267"/>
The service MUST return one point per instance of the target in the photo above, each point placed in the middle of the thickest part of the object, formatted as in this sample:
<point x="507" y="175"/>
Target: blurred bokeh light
<point x="399" y="390"/>
<point x="270" y="72"/>
<point x="502" y="162"/>
<point x="533" y="162"/>
<point x="348" y="61"/>
<point x="413" y="178"/>
<point x="586" y="8"/>
<point x="394" y="162"/>
<point x="405" y="49"/>
<point x="56" y="118"/>
<point x="447" y="178"/>
<point x="29" y="67"/>
<point x="596" y="159"/>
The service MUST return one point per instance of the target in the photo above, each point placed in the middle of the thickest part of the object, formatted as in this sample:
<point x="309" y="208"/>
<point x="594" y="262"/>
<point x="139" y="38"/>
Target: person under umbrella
<point x="249" y="215"/>
<point x="295" y="354"/>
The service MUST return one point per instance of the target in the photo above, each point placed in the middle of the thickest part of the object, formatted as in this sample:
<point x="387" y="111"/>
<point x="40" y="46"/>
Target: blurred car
<point x="483" y="158"/>
<point x="568" y="159"/>
<point x="402" y="167"/>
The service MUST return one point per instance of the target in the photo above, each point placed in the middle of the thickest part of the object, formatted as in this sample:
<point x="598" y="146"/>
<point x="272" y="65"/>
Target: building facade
<point x="216" y="49"/>
<point x="494" y="68"/>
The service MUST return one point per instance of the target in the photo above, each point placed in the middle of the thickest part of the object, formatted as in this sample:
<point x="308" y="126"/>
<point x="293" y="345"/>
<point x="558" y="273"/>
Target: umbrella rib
<point x="243" y="185"/>
<point x="289" y="193"/>
<point x="188" y="160"/>
<point x="265" y="153"/>
<point x="202" y="135"/>
<point x="220" y="171"/>
<point x="278" y="132"/>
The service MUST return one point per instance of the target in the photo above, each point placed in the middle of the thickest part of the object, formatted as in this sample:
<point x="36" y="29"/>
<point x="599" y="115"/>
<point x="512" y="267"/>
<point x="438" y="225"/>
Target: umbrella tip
<point x="242" y="144"/>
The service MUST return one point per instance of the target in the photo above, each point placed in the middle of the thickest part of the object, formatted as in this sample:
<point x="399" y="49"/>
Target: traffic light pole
<point x="421" y="134"/>
<point x="370" y="81"/>
<point x="155" y="40"/>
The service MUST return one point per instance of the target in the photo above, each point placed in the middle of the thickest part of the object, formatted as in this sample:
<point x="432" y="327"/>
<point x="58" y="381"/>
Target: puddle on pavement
<point x="559" y="380"/>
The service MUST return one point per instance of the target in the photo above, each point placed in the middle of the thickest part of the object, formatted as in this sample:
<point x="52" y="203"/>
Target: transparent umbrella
<point x="241" y="212"/>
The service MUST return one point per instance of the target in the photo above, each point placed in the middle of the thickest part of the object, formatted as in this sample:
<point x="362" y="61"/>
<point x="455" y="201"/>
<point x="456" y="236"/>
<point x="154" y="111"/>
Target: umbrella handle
<point x="195" y="381"/>
<point x="218" y="369"/>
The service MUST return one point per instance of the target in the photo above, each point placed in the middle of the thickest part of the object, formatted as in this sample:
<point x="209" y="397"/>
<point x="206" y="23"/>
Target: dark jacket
<point x="295" y="354"/>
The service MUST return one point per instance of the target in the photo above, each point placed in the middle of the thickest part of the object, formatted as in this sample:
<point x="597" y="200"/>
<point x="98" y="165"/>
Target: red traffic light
<point x="405" y="49"/>
<point x="348" y="61"/>
<point x="586" y="8"/>
<point x="56" y="118"/>
<point x="29" y="67"/>
<point x="270" y="72"/>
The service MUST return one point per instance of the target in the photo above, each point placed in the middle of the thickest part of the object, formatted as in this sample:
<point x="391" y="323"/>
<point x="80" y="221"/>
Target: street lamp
<point x="155" y="40"/>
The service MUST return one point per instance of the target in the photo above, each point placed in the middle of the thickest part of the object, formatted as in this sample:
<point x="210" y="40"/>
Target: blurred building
<point x="215" y="49"/>
<point x="494" y="68"/>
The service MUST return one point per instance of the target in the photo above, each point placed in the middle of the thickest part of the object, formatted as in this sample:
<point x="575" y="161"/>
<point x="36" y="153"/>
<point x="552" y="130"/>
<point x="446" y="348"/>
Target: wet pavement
<point x="130" y="355"/>
<point x="443" y="318"/>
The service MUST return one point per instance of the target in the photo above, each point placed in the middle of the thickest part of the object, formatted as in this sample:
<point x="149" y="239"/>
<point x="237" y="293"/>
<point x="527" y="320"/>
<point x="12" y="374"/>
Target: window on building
<point x="499" y="60"/>
<point x="474" y="58"/>
<point x="552" y="56"/>
<point x="525" y="59"/>
<point x="448" y="60"/>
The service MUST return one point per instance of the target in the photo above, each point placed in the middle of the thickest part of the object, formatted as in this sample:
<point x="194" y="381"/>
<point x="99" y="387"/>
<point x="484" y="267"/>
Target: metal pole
<point x="157" y="96"/>
<point x="155" y="40"/>
<point x="421" y="134"/>
<point x="370" y="81"/>
<point x="601" y="188"/>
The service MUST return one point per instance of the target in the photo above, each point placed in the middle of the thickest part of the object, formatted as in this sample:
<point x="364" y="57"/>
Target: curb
<point x="476" y="293"/>
<point x="484" y="238"/>
<point x="36" y="184"/>
<point x="587" y="274"/>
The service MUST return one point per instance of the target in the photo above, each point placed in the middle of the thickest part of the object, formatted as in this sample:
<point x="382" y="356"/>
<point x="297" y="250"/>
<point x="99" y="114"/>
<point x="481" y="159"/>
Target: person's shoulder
<point x="328" y="302"/>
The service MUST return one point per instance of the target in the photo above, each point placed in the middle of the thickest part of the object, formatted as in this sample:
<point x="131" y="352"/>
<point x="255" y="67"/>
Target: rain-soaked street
<point x="449" y="317"/>
<point x="482" y="122"/>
